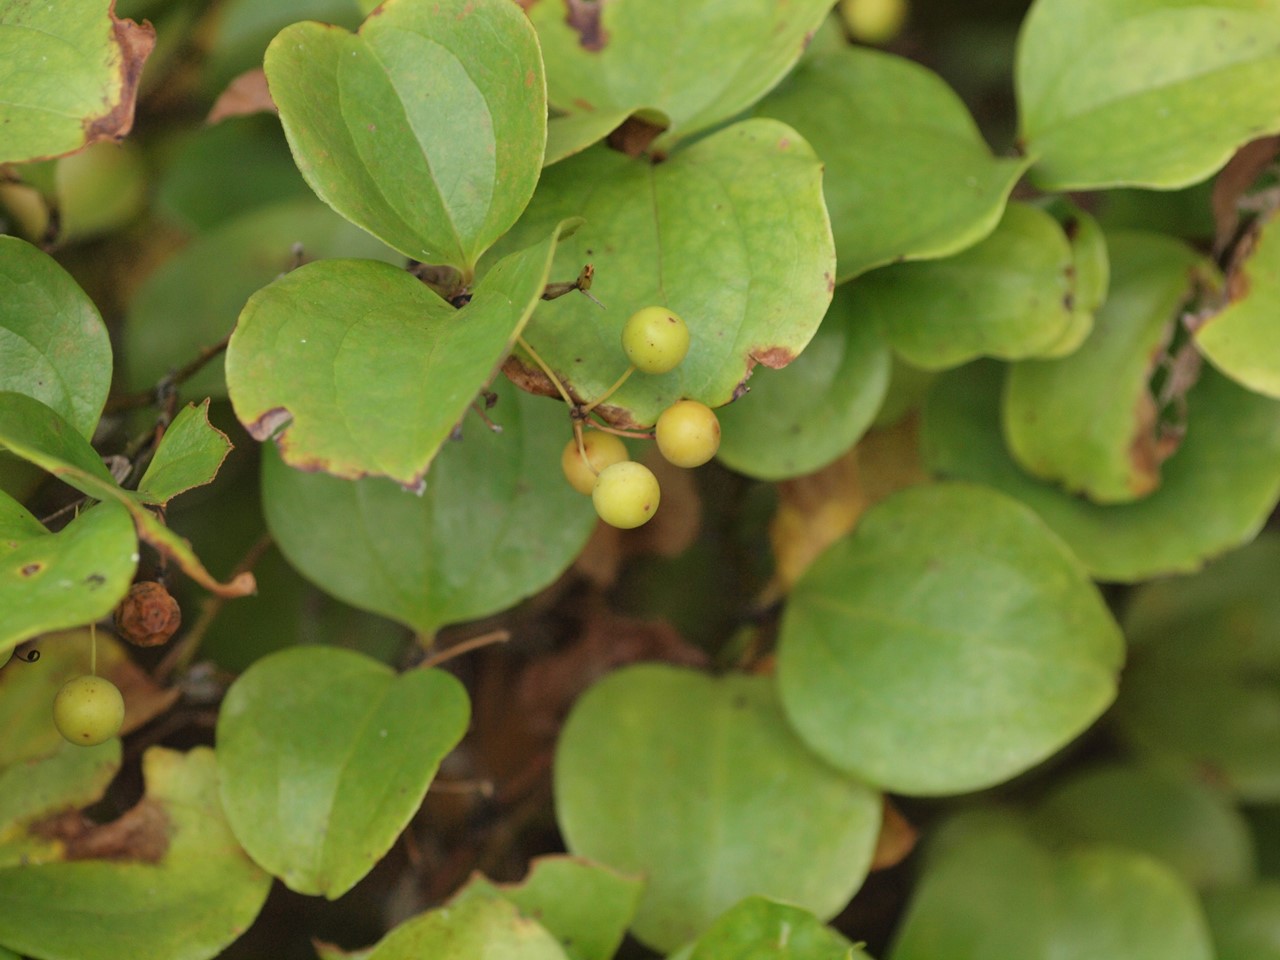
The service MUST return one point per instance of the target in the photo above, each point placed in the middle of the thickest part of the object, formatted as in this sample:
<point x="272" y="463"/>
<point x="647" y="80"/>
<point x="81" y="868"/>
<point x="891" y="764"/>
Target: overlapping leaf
<point x="699" y="784"/>
<point x="1216" y="492"/>
<point x="70" y="71"/>
<point x="730" y="233"/>
<point x="426" y="128"/>
<point x="1243" y="339"/>
<point x="325" y="754"/>
<point x="761" y="929"/>
<point x="53" y="343"/>
<point x="495" y="522"/>
<point x="179" y="887"/>
<point x="1129" y="92"/>
<point x="1090" y="420"/>
<point x="1009" y="296"/>
<point x="359" y="369"/>
<point x="688" y="64"/>
<point x="947" y="645"/>
<point x="476" y="928"/>
<point x="800" y="418"/>
<point x="907" y="174"/>
<point x="190" y="455"/>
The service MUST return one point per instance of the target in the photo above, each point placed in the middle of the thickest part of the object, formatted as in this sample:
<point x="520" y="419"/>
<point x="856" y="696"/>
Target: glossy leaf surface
<point x="495" y="523"/>
<point x="53" y="343"/>
<point x="760" y="929"/>
<point x="182" y="879"/>
<point x="908" y="176"/>
<point x="951" y="642"/>
<point x="426" y="127"/>
<point x="1217" y="490"/>
<point x="325" y="754"/>
<point x="359" y="369"/>
<point x="690" y="64"/>
<point x="1129" y="92"/>
<point x="730" y="233"/>
<point x="802" y="417"/>
<point x="699" y="784"/>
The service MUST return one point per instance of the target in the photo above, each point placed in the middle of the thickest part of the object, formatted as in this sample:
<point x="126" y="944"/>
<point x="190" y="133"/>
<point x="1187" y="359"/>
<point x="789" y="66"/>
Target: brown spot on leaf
<point x="775" y="358"/>
<point x="134" y="42"/>
<point x="265" y="427"/>
<point x="831" y="281"/>
<point x="587" y="107"/>
<point x="31" y="569"/>
<point x="246" y="94"/>
<point x="583" y="17"/>
<point x="140" y="836"/>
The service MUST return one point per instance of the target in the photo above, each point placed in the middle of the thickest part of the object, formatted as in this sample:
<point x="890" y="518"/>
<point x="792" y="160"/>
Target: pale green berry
<point x="626" y="494"/>
<point x="655" y="340"/>
<point x="88" y="710"/>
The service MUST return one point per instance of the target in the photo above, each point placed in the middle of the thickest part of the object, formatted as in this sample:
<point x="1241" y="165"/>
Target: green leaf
<point x="799" y="419"/>
<point x="426" y="128"/>
<point x="688" y="66"/>
<point x="698" y="783"/>
<point x="325" y="755"/>
<point x="907" y="174"/>
<point x="359" y="369"/>
<point x="760" y="929"/>
<point x="50" y="581"/>
<point x="190" y="455"/>
<point x="1245" y="922"/>
<point x="1130" y="92"/>
<point x="475" y="928"/>
<point x="1242" y="339"/>
<point x="181" y="890"/>
<point x="730" y="233"/>
<point x="949" y="644"/>
<point x="1090" y="420"/>
<point x="495" y="523"/>
<point x="1201" y="694"/>
<point x="1009" y="296"/>
<point x="53" y="343"/>
<point x="1185" y="824"/>
<point x="79" y="68"/>
<point x="207" y="283"/>
<point x="586" y="906"/>
<point x="1217" y="490"/>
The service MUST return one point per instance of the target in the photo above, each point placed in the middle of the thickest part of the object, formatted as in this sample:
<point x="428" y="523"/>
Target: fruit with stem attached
<point x="88" y="710"/>
<point x="655" y="340"/>
<point x="601" y="450"/>
<point x="688" y="433"/>
<point x="626" y="494"/>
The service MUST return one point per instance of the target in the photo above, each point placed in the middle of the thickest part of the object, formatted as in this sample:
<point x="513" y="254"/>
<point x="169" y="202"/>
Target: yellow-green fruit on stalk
<point x="688" y="433"/>
<point x="602" y="449"/>
<point x="626" y="494"/>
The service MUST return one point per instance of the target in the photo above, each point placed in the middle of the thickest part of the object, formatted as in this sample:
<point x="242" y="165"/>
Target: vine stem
<point x="144" y="398"/>
<point x="466" y="646"/>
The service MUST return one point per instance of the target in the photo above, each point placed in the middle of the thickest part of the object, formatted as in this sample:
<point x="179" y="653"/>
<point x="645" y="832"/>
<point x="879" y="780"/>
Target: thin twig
<point x="466" y="646"/>
<point x="145" y="398"/>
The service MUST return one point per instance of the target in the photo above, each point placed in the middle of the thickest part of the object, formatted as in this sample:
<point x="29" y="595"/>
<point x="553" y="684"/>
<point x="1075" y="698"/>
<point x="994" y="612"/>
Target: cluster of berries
<point x="625" y="493"/>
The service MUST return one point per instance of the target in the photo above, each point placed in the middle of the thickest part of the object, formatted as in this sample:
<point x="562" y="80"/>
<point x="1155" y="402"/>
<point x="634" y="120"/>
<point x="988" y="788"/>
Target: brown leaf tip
<point x="583" y="17"/>
<point x="135" y="43"/>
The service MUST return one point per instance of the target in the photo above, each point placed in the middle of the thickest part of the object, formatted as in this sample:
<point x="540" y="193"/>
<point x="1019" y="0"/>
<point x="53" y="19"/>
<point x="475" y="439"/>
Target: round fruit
<point x="88" y="710"/>
<point x="655" y="340"/>
<point x="603" y="450"/>
<point x="688" y="433"/>
<point x="626" y="494"/>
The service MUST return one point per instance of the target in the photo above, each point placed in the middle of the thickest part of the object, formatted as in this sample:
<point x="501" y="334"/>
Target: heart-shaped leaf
<point x="947" y="645"/>
<point x="761" y="929"/>
<point x="1090" y="420"/>
<point x="495" y="523"/>
<point x="190" y="455"/>
<point x="426" y="128"/>
<point x="359" y="369"/>
<point x="699" y="784"/>
<point x="1008" y="296"/>
<point x="1116" y="92"/>
<point x="51" y="581"/>
<point x="325" y="754"/>
<point x="53" y="343"/>
<point x="175" y="884"/>
<point x="476" y="928"/>
<point x="70" y="74"/>
<point x="796" y="420"/>
<point x="730" y="233"/>
<point x="1242" y="339"/>
<point x="907" y="174"/>
<point x="689" y="64"/>
<point x="586" y="906"/>
<point x="208" y="282"/>
<point x="1216" y="491"/>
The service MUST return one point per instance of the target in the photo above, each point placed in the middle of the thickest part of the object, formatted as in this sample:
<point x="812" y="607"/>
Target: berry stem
<point x="610" y="392"/>
<point x="466" y="646"/>
<point x="633" y="434"/>
<point x="582" y="447"/>
<point x="545" y="369"/>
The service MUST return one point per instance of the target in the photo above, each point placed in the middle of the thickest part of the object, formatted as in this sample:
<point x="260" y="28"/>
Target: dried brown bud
<point x="148" y="616"/>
